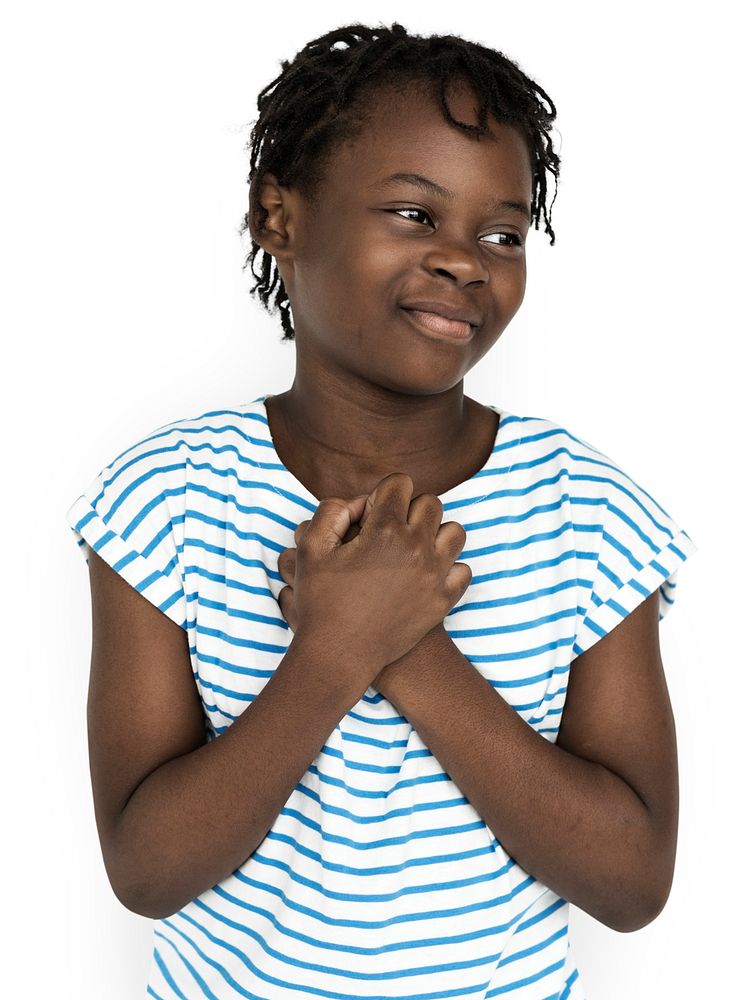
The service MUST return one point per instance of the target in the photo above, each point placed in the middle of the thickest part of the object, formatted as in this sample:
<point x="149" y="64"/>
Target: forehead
<point x="406" y="131"/>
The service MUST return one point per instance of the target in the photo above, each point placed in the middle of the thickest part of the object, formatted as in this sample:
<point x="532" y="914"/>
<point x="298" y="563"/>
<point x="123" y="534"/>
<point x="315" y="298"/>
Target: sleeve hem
<point x="659" y="573"/>
<point x="163" y="589"/>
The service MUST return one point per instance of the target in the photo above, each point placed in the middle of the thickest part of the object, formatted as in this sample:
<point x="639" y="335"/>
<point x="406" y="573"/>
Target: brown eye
<point x="516" y="240"/>
<point x="508" y="239"/>
<point x="420" y="211"/>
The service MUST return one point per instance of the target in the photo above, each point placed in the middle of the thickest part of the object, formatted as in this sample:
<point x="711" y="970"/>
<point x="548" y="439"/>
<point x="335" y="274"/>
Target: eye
<point x="516" y="241"/>
<point x="420" y="211"/>
<point x="508" y="239"/>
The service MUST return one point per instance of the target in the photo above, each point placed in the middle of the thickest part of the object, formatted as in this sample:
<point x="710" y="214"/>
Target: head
<point x="354" y="107"/>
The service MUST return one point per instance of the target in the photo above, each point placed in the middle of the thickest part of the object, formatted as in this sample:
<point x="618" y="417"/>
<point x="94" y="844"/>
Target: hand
<point x="381" y="683"/>
<point x="288" y="558"/>
<point x="391" y="536"/>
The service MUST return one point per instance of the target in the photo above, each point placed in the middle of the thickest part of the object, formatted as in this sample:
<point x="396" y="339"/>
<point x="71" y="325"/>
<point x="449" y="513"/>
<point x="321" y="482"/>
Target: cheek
<point x="510" y="287"/>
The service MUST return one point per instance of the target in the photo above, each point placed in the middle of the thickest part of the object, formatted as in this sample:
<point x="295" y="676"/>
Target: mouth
<point x="443" y="328"/>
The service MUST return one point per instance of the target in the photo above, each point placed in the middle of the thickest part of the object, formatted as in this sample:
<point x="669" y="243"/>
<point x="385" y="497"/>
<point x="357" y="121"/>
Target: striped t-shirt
<point x="378" y="878"/>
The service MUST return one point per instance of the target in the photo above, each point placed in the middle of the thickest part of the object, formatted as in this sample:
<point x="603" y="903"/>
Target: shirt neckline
<point x="489" y="478"/>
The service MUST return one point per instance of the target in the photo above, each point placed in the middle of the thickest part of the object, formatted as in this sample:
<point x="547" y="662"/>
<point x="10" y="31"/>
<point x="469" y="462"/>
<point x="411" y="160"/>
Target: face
<point x="366" y="249"/>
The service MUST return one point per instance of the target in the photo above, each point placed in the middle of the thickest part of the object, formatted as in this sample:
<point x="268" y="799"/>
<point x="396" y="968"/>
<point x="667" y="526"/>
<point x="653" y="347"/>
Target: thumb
<point x="368" y="504"/>
<point x="333" y="518"/>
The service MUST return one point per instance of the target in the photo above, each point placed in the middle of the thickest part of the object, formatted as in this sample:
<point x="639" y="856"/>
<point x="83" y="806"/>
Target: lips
<point x="458" y="311"/>
<point x="453" y="328"/>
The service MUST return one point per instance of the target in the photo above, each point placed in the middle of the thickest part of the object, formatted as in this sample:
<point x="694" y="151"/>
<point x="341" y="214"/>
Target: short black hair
<point x="322" y="97"/>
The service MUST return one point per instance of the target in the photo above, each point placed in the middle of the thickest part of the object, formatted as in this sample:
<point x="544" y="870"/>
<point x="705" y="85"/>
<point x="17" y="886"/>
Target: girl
<point x="328" y="758"/>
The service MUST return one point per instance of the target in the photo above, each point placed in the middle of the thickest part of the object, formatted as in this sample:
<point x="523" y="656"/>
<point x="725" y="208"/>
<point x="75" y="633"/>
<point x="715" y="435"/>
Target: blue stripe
<point x="526" y="980"/>
<point x="437" y="970"/>
<point x="166" y="973"/>
<point x="562" y="543"/>
<point x="534" y="949"/>
<point x="245" y="931"/>
<point x="569" y="982"/>
<point x="205" y="989"/>
<point x="319" y="916"/>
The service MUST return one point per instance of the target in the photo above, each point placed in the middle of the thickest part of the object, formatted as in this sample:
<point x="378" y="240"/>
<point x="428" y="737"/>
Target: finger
<point x="458" y="579"/>
<point x="390" y="499"/>
<point x="286" y="600"/>
<point x="330" y="522"/>
<point x="426" y="509"/>
<point x="286" y="565"/>
<point x="302" y="526"/>
<point x="300" y="529"/>
<point x="451" y="539"/>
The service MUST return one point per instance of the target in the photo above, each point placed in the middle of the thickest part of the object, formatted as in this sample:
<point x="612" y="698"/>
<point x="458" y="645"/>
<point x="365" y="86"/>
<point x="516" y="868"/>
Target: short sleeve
<point x="132" y="515"/>
<point x="630" y="548"/>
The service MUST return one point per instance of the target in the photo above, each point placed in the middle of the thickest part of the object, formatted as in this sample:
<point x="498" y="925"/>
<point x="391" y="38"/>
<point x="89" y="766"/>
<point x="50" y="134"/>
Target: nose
<point x="462" y="265"/>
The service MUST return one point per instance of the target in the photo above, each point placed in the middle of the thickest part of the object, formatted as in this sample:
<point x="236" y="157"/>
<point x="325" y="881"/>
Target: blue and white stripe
<point x="378" y="879"/>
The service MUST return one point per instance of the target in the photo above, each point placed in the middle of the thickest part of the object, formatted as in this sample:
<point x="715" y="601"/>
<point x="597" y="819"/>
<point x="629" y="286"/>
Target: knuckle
<point x="429" y="503"/>
<point x="399" y="479"/>
<point x="286" y="569"/>
<point x="303" y="534"/>
<point x="305" y="543"/>
<point x="385" y="531"/>
<point x="458" y="532"/>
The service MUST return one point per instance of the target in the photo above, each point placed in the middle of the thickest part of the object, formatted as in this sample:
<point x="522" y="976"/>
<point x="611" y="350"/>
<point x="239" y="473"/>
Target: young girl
<point x="329" y="759"/>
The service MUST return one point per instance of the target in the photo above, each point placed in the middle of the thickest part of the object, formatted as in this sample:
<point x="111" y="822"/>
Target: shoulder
<point x="619" y="528"/>
<point x="164" y="453"/>
<point x="149" y="479"/>
<point x="135" y="511"/>
<point x="187" y="435"/>
<point x="625" y="544"/>
<point x="594" y="476"/>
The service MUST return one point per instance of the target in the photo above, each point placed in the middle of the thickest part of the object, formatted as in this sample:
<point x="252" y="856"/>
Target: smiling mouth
<point x="448" y="329"/>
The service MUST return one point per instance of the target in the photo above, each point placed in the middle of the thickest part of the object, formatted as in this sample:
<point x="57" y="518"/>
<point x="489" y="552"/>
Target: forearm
<point x="197" y="818"/>
<point x="571" y="823"/>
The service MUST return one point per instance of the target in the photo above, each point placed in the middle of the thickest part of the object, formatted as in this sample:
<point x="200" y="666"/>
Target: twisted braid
<point x="323" y="98"/>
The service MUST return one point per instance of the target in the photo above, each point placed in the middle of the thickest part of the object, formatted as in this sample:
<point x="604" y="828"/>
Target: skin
<point x="349" y="260"/>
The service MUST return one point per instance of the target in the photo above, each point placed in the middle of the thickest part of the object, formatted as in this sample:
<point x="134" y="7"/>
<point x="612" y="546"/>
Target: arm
<point x="166" y="836"/>
<point x="180" y="837"/>
<point x="593" y="817"/>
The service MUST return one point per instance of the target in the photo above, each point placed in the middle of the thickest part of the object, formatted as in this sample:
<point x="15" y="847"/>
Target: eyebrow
<point x="431" y="187"/>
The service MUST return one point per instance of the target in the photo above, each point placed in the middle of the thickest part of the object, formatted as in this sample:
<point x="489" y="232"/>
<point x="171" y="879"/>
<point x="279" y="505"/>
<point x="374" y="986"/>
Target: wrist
<point x="412" y="659"/>
<point x="342" y="664"/>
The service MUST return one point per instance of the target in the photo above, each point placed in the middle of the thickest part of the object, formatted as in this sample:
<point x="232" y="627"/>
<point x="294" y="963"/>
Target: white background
<point x="125" y="307"/>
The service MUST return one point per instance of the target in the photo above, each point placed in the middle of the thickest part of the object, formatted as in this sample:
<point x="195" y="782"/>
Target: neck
<point x="340" y="439"/>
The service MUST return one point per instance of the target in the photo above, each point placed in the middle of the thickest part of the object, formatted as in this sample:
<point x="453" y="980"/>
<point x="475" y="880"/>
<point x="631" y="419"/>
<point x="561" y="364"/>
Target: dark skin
<point x="372" y="395"/>
<point x="595" y="815"/>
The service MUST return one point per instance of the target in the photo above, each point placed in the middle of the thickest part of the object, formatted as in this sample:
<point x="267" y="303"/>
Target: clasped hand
<point x="407" y="562"/>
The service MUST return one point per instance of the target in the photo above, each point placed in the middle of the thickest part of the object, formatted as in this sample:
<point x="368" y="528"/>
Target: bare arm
<point x="166" y="837"/>
<point x="593" y="816"/>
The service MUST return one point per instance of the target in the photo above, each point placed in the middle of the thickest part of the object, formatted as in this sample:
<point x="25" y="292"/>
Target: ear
<point x="269" y="219"/>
